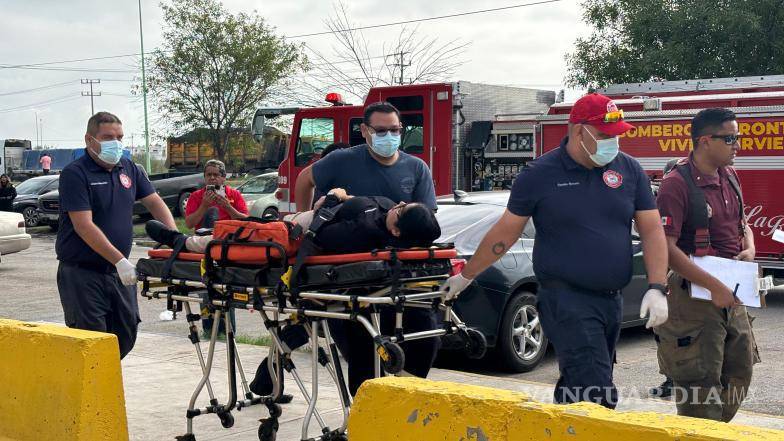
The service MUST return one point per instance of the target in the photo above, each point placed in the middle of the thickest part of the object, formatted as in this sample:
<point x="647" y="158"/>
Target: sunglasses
<point x="611" y="117"/>
<point x="384" y="131"/>
<point x="728" y="139"/>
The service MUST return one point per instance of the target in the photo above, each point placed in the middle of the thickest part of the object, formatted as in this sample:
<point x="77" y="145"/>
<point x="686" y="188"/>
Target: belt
<point x="103" y="268"/>
<point x="560" y="284"/>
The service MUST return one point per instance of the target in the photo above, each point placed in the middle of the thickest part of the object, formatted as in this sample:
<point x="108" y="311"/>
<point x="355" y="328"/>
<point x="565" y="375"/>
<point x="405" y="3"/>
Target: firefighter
<point x="582" y="198"/>
<point x="707" y="348"/>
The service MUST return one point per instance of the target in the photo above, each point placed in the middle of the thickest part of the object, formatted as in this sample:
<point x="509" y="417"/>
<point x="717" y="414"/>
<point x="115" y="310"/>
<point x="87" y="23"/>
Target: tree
<point x="644" y="40"/>
<point x="407" y="58"/>
<point x="214" y="67"/>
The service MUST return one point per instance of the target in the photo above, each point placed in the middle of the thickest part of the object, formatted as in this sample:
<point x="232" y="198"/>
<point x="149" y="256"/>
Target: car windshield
<point x="32" y="186"/>
<point x="466" y="225"/>
<point x="260" y="185"/>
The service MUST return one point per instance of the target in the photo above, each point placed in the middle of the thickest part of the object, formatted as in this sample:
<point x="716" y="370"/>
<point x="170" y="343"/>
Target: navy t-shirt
<point x="583" y="217"/>
<point x="85" y="185"/>
<point x="353" y="169"/>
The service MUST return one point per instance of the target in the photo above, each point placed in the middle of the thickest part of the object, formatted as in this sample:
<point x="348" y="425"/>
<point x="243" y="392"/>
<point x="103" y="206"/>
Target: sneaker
<point x="664" y="390"/>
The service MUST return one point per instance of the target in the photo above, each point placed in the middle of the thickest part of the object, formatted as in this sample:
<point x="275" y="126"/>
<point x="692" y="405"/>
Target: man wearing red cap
<point x="582" y="197"/>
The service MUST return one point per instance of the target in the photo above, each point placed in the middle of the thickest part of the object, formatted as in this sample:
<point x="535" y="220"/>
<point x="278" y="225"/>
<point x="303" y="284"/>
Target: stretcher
<point x="308" y="292"/>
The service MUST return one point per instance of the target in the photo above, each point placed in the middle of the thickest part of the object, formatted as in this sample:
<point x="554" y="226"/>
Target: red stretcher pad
<point x="327" y="259"/>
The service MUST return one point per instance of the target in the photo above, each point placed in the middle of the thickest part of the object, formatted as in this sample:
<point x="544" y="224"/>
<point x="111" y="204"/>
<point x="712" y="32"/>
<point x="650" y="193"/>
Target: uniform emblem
<point x="612" y="178"/>
<point x="710" y="211"/>
<point x="666" y="221"/>
<point x="125" y="180"/>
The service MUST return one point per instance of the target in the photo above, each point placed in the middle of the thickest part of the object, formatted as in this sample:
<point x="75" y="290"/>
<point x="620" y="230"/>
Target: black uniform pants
<point x="583" y="327"/>
<point x="98" y="301"/>
<point x="357" y="347"/>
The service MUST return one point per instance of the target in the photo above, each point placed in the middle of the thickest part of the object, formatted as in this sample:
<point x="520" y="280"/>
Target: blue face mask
<point x="606" y="150"/>
<point x="385" y="146"/>
<point x="111" y="151"/>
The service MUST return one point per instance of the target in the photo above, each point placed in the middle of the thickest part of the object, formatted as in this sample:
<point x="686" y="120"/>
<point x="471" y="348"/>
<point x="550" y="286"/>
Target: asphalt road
<point x="28" y="291"/>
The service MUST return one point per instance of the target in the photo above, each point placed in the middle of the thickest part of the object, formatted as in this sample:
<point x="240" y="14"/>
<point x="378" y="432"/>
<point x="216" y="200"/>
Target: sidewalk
<point x="162" y="371"/>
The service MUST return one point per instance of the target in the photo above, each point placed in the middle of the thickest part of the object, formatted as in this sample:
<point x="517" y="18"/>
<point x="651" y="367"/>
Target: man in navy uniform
<point x="582" y="197"/>
<point x="97" y="283"/>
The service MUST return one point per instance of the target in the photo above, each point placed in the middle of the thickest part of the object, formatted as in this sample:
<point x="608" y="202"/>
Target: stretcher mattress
<point x="325" y="271"/>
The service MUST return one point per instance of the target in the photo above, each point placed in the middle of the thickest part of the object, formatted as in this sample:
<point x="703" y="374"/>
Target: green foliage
<point x="214" y="67"/>
<point x="157" y="165"/>
<point x="645" y="40"/>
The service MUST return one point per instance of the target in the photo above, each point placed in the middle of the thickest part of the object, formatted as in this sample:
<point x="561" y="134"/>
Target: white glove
<point x="654" y="304"/>
<point x="126" y="271"/>
<point x="454" y="286"/>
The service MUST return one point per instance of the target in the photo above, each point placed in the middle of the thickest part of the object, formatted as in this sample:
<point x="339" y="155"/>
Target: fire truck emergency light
<point x="335" y="99"/>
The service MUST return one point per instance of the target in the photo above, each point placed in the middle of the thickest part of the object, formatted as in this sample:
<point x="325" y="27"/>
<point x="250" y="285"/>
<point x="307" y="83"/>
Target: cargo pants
<point x="708" y="352"/>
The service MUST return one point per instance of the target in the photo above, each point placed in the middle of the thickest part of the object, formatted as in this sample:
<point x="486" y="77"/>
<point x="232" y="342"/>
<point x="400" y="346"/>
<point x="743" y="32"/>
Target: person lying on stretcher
<point x="360" y="224"/>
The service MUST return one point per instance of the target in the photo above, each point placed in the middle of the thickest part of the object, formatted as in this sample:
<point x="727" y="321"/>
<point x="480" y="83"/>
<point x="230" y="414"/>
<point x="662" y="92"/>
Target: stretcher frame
<point x="310" y="308"/>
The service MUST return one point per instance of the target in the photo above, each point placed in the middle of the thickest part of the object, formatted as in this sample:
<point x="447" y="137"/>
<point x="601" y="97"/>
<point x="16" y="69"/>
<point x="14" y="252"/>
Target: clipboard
<point x="732" y="273"/>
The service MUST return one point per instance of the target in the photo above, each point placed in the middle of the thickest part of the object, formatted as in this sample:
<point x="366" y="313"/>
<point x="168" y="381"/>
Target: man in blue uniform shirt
<point x="582" y="197"/>
<point x="97" y="283"/>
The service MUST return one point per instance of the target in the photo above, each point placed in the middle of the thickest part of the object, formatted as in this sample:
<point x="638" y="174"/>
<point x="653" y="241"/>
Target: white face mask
<point x="606" y="150"/>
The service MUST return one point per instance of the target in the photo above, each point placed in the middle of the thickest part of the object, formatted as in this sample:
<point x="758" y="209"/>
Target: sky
<point x="521" y="46"/>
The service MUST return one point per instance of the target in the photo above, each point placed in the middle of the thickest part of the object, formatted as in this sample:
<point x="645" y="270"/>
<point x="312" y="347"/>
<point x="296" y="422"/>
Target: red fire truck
<point x="661" y="113"/>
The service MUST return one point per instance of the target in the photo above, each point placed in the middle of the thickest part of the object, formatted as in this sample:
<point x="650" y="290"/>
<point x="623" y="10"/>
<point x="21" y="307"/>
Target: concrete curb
<point x="395" y="408"/>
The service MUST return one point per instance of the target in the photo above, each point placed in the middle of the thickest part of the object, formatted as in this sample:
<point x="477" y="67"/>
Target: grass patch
<point x="264" y="340"/>
<point x="138" y="229"/>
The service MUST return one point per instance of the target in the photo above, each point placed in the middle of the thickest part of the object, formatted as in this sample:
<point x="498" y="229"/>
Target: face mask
<point x="385" y="146"/>
<point x="111" y="151"/>
<point x="606" y="150"/>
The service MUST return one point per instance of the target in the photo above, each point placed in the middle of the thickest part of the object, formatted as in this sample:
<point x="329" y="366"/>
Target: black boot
<point x="262" y="383"/>
<point x="163" y="234"/>
<point x="664" y="390"/>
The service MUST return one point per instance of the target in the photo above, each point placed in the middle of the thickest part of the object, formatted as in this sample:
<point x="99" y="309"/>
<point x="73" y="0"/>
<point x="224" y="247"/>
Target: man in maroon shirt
<point x="707" y="348"/>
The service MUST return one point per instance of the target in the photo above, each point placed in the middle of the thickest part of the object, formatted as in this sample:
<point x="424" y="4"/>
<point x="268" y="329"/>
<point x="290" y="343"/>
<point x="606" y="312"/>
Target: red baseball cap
<point x="600" y="112"/>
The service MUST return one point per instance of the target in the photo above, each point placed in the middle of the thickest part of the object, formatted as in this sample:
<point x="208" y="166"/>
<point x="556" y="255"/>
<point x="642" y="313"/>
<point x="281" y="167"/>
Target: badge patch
<point x="612" y="178"/>
<point x="666" y="221"/>
<point x="710" y="211"/>
<point x="125" y="180"/>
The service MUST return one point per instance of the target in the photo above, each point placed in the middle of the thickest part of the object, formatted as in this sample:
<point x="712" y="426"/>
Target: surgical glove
<point x="126" y="271"/>
<point x="454" y="286"/>
<point x="654" y="305"/>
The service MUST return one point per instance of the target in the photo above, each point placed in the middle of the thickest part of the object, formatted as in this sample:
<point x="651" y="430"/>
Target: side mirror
<point x="257" y="127"/>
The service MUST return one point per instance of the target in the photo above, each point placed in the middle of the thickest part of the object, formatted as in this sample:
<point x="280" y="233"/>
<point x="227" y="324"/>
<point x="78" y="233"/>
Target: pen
<point x="735" y="292"/>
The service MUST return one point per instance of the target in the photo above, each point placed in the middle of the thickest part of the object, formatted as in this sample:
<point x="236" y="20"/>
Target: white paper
<point x="731" y="273"/>
<point x="778" y="236"/>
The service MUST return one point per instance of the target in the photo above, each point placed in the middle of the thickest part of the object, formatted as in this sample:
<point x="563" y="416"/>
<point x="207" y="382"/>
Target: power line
<point x="419" y="20"/>
<point x="41" y="103"/>
<point x="36" y="89"/>
<point x="65" y="69"/>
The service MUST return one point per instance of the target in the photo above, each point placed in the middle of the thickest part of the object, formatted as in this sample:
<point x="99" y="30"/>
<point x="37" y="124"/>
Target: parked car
<point x="174" y="189"/>
<point x="501" y="303"/>
<point x="259" y="194"/>
<point x="13" y="237"/>
<point x="26" y="201"/>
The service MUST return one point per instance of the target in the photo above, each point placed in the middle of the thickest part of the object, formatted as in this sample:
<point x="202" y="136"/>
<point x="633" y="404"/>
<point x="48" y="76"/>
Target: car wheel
<point x="182" y="201"/>
<point x="31" y="218"/>
<point x="521" y="342"/>
<point x="270" y="213"/>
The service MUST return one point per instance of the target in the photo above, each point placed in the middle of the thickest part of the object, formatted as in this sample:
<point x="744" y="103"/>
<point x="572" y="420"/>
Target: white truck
<point x="11" y="151"/>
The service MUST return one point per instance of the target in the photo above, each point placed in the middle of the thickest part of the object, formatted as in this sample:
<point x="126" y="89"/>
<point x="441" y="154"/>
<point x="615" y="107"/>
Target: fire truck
<point x="436" y="118"/>
<point x="661" y="113"/>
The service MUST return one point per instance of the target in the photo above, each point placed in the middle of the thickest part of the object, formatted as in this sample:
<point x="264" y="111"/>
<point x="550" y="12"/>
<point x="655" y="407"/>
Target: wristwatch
<point x="661" y="288"/>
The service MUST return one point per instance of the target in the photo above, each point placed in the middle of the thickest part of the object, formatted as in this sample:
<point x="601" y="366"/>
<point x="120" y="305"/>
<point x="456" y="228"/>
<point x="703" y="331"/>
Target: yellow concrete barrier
<point x="59" y="384"/>
<point x="395" y="408"/>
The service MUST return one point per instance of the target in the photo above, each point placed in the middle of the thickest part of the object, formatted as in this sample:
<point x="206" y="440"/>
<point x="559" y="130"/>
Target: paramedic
<point x="707" y="348"/>
<point x="97" y="283"/>
<point x="582" y="197"/>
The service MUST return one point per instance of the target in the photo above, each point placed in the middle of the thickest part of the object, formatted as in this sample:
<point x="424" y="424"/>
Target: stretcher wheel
<point x="268" y="430"/>
<point x="476" y="344"/>
<point x="392" y="357"/>
<point x="275" y="410"/>
<point x="226" y="419"/>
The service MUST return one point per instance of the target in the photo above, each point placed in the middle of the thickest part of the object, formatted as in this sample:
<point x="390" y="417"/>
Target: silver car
<point x="259" y="194"/>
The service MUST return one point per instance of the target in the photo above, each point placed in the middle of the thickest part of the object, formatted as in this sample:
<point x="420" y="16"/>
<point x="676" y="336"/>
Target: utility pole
<point x="400" y="64"/>
<point x="90" y="93"/>
<point x="37" y="138"/>
<point x="144" y="94"/>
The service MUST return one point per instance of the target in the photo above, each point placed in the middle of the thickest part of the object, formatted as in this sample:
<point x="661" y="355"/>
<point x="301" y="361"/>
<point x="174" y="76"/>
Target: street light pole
<point x="37" y="138"/>
<point x="144" y="94"/>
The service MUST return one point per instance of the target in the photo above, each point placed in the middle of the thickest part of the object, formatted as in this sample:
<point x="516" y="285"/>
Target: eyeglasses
<point x="611" y="117"/>
<point x="383" y="131"/>
<point x="728" y="139"/>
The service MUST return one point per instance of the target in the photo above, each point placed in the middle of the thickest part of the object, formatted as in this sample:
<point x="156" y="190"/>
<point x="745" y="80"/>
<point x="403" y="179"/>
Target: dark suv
<point x="502" y="301"/>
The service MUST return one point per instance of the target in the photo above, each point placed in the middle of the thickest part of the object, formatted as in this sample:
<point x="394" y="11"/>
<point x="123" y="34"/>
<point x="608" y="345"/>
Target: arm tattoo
<point x="499" y="248"/>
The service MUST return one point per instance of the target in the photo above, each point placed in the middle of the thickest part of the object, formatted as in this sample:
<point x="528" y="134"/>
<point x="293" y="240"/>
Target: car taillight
<point x="21" y="224"/>
<point x="457" y="266"/>
<point x="282" y="194"/>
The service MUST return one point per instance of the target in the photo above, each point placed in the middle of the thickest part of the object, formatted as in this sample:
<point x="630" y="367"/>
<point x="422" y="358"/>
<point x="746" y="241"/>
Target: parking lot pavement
<point x="28" y="292"/>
